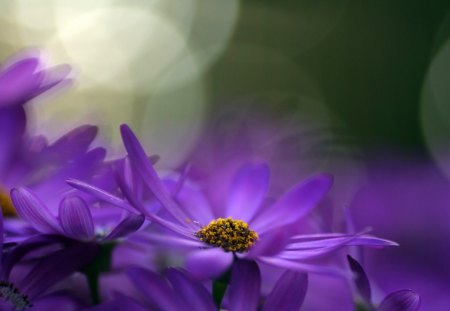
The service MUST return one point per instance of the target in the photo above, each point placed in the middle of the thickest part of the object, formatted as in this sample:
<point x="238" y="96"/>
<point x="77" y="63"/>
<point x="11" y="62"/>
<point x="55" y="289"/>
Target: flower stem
<point x="102" y="263"/>
<point x="219" y="287"/>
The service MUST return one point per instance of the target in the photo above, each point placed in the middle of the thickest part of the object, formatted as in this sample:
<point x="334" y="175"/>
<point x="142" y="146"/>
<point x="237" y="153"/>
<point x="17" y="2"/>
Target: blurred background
<point x="358" y="88"/>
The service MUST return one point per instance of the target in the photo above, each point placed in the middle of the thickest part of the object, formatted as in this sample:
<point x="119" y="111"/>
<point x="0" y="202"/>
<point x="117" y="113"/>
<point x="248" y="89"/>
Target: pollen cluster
<point x="9" y="293"/>
<point x="6" y="205"/>
<point x="232" y="235"/>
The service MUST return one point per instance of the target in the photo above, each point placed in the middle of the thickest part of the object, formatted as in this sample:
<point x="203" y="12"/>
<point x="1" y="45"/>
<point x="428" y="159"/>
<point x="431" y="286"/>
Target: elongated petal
<point x="288" y="293"/>
<point x="127" y="226"/>
<point x="209" y="263"/>
<point x="119" y="304"/>
<point x="74" y="142"/>
<point x="100" y="194"/>
<point x="191" y="292"/>
<point x="76" y="219"/>
<point x="19" y="81"/>
<point x="156" y="290"/>
<point x="295" y="204"/>
<point x="361" y="281"/>
<point x="247" y="191"/>
<point x="168" y="241"/>
<point x="303" y="267"/>
<point x="401" y="300"/>
<point x="245" y="286"/>
<point x="30" y="208"/>
<point x="150" y="177"/>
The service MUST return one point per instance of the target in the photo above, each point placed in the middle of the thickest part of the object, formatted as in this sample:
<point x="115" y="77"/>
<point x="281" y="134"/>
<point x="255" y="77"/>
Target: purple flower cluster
<point x="80" y="232"/>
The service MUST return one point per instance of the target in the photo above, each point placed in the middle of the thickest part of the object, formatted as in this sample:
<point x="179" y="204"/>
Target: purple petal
<point x="209" y="263"/>
<point x="143" y="166"/>
<point x="73" y="143"/>
<point x="30" y="208"/>
<point x="192" y="293"/>
<point x="100" y="194"/>
<point x="168" y="241"/>
<point x="119" y="304"/>
<point x="294" y="204"/>
<point x="127" y="226"/>
<point x="57" y="266"/>
<point x="12" y="126"/>
<point x="247" y="191"/>
<point x="303" y="267"/>
<point x="288" y="293"/>
<point x="19" y="80"/>
<point x="401" y="300"/>
<point x="155" y="289"/>
<point x="55" y="76"/>
<point x="56" y="302"/>
<point x="361" y="281"/>
<point x="245" y="286"/>
<point x="76" y="219"/>
<point x="269" y="243"/>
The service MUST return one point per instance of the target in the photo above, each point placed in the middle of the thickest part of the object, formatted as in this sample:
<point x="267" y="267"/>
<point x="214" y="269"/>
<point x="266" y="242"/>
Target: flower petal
<point x="75" y="218"/>
<point x="245" y="286"/>
<point x="269" y="243"/>
<point x="294" y="204"/>
<point x="12" y="126"/>
<point x="288" y="293"/>
<point x="361" y="281"/>
<point x="19" y="80"/>
<point x="143" y="166"/>
<point x="192" y="293"/>
<point x="155" y="289"/>
<point x="247" y="191"/>
<point x="209" y="263"/>
<point x="34" y="211"/>
<point x="129" y="225"/>
<point x="401" y="300"/>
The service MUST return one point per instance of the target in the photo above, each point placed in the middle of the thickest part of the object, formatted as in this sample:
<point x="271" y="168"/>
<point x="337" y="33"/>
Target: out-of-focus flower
<point x="181" y="291"/>
<point x="245" y="228"/>
<point x="24" y="77"/>
<point x="74" y="218"/>
<point x="400" y="300"/>
<point x="28" y="289"/>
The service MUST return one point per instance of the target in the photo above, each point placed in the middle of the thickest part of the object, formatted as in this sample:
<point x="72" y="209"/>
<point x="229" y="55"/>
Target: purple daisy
<point x="246" y="228"/>
<point x="400" y="300"/>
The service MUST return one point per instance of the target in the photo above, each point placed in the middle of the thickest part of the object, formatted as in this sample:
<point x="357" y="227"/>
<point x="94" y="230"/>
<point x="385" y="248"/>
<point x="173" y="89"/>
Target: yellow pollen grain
<point x="229" y="234"/>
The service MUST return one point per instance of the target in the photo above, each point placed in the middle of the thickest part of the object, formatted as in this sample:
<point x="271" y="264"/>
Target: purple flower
<point x="74" y="219"/>
<point x="28" y="288"/>
<point x="245" y="228"/>
<point x="400" y="300"/>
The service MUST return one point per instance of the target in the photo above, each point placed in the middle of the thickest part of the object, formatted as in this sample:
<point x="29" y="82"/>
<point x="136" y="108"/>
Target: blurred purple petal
<point x="294" y="204"/>
<point x="30" y="208"/>
<point x="19" y="80"/>
<point x="247" y="192"/>
<point x="401" y="300"/>
<point x="154" y="288"/>
<point x="129" y="225"/>
<point x="269" y="243"/>
<point x="119" y="304"/>
<point x="192" y="293"/>
<point x="361" y="281"/>
<point x="245" y="286"/>
<point x="12" y="125"/>
<point x="209" y="263"/>
<point x="288" y="293"/>
<point x="73" y="143"/>
<point x="75" y="218"/>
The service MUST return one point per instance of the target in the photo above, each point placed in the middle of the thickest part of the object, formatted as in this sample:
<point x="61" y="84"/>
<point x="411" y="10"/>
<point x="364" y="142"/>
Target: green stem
<point x="219" y="287"/>
<point x="102" y="263"/>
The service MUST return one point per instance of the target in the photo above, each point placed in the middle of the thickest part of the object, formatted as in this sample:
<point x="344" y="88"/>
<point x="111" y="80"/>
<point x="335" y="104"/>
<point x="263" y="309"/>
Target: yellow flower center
<point x="6" y="204"/>
<point x="232" y="235"/>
